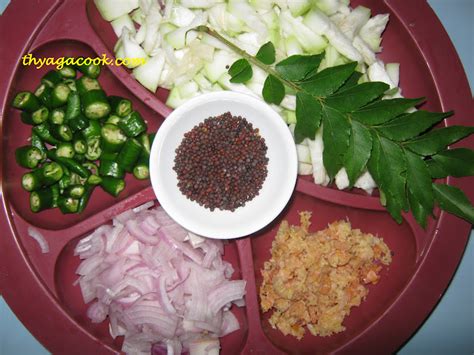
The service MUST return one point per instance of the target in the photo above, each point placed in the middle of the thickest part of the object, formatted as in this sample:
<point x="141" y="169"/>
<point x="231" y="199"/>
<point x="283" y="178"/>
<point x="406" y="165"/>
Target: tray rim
<point x="456" y="73"/>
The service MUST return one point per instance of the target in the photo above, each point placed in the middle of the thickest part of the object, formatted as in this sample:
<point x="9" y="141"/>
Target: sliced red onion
<point x="175" y="231"/>
<point x="182" y="274"/>
<point x="112" y="238"/>
<point x="94" y="244"/>
<point x="42" y="242"/>
<point x="131" y="283"/>
<point x="158" y="289"/>
<point x="189" y="251"/>
<point x="149" y="225"/>
<point x="211" y="244"/>
<point x="226" y="293"/>
<point x="90" y="265"/>
<point x="198" y="290"/>
<point x="230" y="323"/>
<point x="228" y="269"/>
<point x="205" y="326"/>
<point x="133" y="248"/>
<point x="124" y="217"/>
<point x="97" y="312"/>
<point x="143" y="207"/>
<point x="164" y="299"/>
<point x="135" y="230"/>
<point x="128" y="300"/>
<point x="195" y="240"/>
<point x="204" y="346"/>
<point x="137" y="344"/>
<point x="162" y="217"/>
<point x="240" y="302"/>
<point x="214" y="347"/>
<point x="159" y="349"/>
<point x="173" y="347"/>
<point x="83" y="245"/>
<point x="123" y="241"/>
<point x="115" y="329"/>
<point x="166" y="252"/>
<point x="210" y="256"/>
<point x="88" y="292"/>
<point x="150" y="313"/>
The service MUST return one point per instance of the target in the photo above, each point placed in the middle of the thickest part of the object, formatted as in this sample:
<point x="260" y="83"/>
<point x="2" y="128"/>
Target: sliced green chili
<point x="38" y="143"/>
<point x="71" y="83"/>
<point x="40" y="115"/>
<point x="113" y="186"/>
<point x="60" y="95"/>
<point x="44" y="132"/>
<point x="113" y="138"/>
<point x="47" y="175"/>
<point x="85" y="84"/>
<point x="51" y="78"/>
<point x="120" y="106"/>
<point x="92" y="167"/>
<point x="133" y="124"/>
<point x="129" y="154"/>
<point x="61" y="132"/>
<point x="111" y="168"/>
<point x="84" y="200"/>
<point x="75" y="191"/>
<point x="113" y="119"/>
<point x="56" y="116"/>
<point x="26" y="118"/>
<point x="43" y="93"/>
<point x="69" y="163"/>
<point x="94" y="179"/>
<point x="73" y="108"/>
<point x="90" y="70"/>
<point x="65" y="150"/>
<point x="31" y="181"/>
<point x="78" y="123"/>
<point x="64" y="183"/>
<point x="83" y="125"/>
<point x="81" y="158"/>
<point x="42" y="199"/>
<point x="68" y="204"/>
<point x="28" y="156"/>
<point x="93" y="148"/>
<point x="92" y="130"/>
<point x="26" y="101"/>
<point x="141" y="169"/>
<point x="109" y="156"/>
<point x="77" y="180"/>
<point x="67" y="72"/>
<point x="95" y="104"/>
<point x="56" y="193"/>
<point x="144" y="140"/>
<point x="80" y="145"/>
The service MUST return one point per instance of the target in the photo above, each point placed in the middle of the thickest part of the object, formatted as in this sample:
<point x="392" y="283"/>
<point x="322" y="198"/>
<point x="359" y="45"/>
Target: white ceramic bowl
<point x="276" y="190"/>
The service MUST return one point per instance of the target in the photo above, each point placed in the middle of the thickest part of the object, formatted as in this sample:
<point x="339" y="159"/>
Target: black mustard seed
<point x="221" y="163"/>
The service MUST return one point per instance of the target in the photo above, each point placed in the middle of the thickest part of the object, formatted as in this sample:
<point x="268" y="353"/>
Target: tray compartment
<point x="17" y="134"/>
<point x="70" y="298"/>
<point x="400" y="239"/>
<point x="416" y="76"/>
<point x="44" y="264"/>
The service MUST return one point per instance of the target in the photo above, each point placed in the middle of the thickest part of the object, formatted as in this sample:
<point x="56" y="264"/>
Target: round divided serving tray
<point x="39" y="287"/>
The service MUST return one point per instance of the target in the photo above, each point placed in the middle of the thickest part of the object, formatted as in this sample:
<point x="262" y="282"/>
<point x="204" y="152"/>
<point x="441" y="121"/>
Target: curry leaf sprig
<point x="398" y="148"/>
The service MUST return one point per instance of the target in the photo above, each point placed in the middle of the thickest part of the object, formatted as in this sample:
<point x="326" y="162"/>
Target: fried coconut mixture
<point x="313" y="279"/>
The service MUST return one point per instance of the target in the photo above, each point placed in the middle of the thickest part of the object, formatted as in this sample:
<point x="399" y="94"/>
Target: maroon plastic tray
<point x="38" y="287"/>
